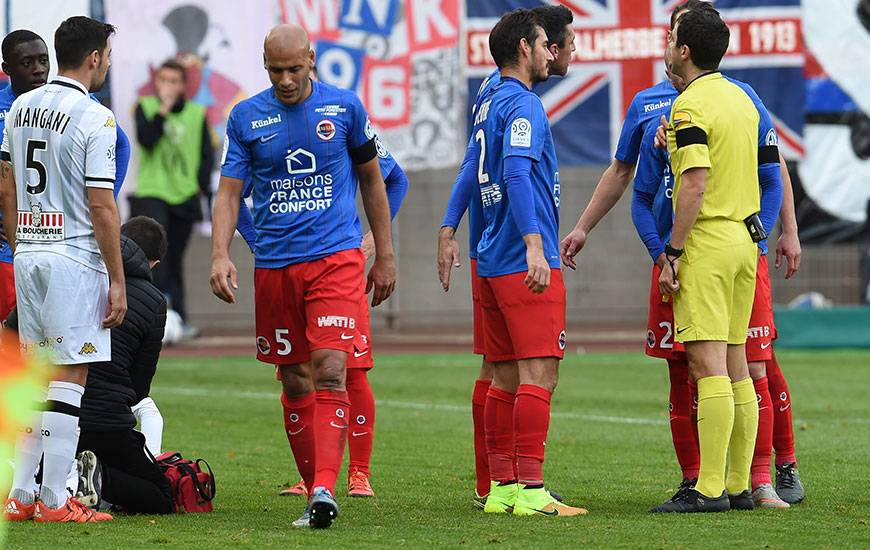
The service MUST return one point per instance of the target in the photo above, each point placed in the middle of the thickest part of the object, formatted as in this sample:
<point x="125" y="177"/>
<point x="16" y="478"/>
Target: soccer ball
<point x="174" y="328"/>
<point x="810" y="300"/>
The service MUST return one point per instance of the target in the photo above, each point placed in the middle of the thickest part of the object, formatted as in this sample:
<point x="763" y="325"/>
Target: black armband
<point x="768" y="154"/>
<point x="691" y="136"/>
<point x="364" y="153"/>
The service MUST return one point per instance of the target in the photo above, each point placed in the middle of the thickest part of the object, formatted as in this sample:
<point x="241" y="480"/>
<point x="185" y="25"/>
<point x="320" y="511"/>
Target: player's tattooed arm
<point x="788" y="245"/>
<point x="8" y="204"/>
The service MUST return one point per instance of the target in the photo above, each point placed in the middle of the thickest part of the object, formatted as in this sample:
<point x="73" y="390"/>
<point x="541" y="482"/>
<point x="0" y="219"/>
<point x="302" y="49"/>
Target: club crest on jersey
<point x="263" y="345"/>
<point x="650" y="338"/>
<point x="326" y="130"/>
<point x="521" y="133"/>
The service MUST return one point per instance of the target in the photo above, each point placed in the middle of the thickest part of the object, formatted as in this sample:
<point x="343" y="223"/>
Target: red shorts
<point x="660" y="324"/>
<point x="477" y="310"/>
<point x="308" y="306"/>
<point x="361" y="358"/>
<point x="518" y="324"/>
<point x="7" y="290"/>
<point x="762" y="331"/>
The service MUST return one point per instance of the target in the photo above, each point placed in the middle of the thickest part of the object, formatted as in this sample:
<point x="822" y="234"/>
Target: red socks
<point x="764" y="439"/>
<point x="683" y="425"/>
<point x="361" y="433"/>
<point x="531" y="420"/>
<point x="499" y="422"/>
<point x="481" y="460"/>
<point x="331" y="423"/>
<point x="299" y="427"/>
<point x="783" y="434"/>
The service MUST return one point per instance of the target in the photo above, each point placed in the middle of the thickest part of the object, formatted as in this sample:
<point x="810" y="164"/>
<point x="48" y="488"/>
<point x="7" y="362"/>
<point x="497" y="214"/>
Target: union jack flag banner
<point x="620" y="48"/>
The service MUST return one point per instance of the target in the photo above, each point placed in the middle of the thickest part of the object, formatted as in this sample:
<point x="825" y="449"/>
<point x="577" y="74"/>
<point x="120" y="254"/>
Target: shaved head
<point x="288" y="58"/>
<point x="286" y="38"/>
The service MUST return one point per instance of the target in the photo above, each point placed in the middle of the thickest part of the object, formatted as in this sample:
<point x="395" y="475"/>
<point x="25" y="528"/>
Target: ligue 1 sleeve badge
<point x="326" y="129"/>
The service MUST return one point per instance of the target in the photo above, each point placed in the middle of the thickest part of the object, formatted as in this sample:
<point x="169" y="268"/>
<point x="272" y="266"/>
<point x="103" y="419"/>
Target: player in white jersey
<point x="63" y="224"/>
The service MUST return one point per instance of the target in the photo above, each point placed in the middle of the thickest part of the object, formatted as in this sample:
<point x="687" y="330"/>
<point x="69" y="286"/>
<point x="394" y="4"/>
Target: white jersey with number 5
<point x="60" y="142"/>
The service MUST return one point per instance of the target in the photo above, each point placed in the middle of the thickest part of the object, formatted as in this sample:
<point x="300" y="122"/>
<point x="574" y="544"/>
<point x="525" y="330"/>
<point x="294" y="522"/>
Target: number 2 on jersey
<point x="34" y="145"/>
<point x="480" y="137"/>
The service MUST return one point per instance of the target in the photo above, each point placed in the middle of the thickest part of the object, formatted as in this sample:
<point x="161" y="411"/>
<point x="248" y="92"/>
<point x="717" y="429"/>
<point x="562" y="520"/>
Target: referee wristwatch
<point x="672" y="252"/>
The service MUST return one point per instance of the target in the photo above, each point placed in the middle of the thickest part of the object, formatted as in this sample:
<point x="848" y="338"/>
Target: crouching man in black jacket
<point x="114" y="464"/>
<point x="131" y="479"/>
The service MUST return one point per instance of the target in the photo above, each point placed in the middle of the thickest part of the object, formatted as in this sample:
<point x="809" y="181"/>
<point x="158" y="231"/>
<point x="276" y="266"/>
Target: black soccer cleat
<point x="788" y="483"/>
<point x="691" y="501"/>
<point x="323" y="508"/>
<point x="741" y="501"/>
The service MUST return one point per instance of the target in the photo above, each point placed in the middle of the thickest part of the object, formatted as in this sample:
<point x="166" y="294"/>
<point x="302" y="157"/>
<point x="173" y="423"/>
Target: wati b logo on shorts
<point x="336" y="321"/>
<point x="88" y="349"/>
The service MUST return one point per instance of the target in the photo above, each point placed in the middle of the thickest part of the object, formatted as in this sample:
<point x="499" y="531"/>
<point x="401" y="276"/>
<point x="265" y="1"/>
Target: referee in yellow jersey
<point x="713" y="144"/>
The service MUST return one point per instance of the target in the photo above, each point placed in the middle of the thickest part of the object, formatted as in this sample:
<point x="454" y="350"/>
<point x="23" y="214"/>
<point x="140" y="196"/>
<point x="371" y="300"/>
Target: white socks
<point x="150" y="423"/>
<point x="60" y="438"/>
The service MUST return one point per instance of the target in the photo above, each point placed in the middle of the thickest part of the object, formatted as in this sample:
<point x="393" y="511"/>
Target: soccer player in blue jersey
<point x="521" y="290"/>
<point x="304" y="145"/>
<point x="26" y="61"/>
<point x="360" y="438"/>
<point x="557" y="24"/>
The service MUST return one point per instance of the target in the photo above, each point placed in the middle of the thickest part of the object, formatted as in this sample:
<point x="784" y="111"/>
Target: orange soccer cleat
<point x="297" y="490"/>
<point x="358" y="484"/>
<point x="15" y="510"/>
<point x="72" y="511"/>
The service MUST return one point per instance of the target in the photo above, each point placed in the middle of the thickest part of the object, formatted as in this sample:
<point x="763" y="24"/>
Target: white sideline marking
<point x="412" y="405"/>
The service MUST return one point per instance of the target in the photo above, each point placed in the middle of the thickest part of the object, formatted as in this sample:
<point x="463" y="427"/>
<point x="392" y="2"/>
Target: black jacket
<point x="114" y="387"/>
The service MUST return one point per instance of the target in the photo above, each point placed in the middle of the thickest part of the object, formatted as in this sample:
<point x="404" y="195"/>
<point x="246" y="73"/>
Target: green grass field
<point x="609" y="450"/>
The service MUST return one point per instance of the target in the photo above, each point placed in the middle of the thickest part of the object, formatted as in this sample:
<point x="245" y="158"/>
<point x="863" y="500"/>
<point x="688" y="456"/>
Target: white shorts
<point x="61" y="306"/>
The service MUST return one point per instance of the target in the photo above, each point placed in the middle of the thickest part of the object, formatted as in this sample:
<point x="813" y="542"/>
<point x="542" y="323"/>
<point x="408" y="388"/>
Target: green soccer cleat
<point x="501" y="498"/>
<point x="533" y="502"/>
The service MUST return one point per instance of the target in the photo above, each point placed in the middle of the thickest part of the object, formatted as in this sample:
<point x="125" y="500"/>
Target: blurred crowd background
<point x="416" y="63"/>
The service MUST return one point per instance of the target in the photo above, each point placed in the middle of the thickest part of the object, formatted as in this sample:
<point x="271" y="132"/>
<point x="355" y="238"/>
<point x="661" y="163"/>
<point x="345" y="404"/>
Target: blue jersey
<point x="394" y="178"/>
<point x="511" y="121"/>
<point x="7" y="96"/>
<point x="476" y="223"/>
<point x="648" y="105"/>
<point x="300" y="161"/>
<point x="653" y="177"/>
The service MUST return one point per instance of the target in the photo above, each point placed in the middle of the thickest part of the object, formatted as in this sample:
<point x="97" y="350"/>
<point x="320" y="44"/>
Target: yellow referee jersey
<point x="715" y="126"/>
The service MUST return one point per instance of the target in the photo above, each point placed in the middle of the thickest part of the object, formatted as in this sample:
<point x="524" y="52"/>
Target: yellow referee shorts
<point x="717" y="283"/>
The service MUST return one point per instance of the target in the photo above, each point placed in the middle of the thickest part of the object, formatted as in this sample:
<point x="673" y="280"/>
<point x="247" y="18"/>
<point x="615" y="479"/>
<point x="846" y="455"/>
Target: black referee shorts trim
<point x="768" y="154"/>
<point x="61" y="407"/>
<point x="5" y="156"/>
<point x="364" y="153"/>
<point x="691" y="136"/>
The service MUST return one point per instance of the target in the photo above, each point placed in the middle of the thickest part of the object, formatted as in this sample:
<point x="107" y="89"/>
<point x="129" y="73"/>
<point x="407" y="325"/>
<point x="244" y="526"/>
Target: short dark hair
<point x="689" y="5"/>
<point x="77" y="37"/>
<point x="706" y="35"/>
<point x="174" y="65"/>
<point x="554" y="19"/>
<point x="505" y="37"/>
<point x="16" y="38"/>
<point x="148" y="234"/>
